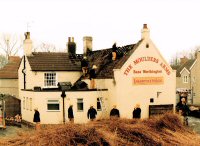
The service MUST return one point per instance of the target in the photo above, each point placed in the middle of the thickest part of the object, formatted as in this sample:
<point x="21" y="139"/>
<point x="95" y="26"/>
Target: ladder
<point x="102" y="102"/>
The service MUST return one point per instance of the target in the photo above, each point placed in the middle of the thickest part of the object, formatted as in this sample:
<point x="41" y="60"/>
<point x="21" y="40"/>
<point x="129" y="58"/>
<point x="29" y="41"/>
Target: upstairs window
<point x="185" y="79"/>
<point x="50" y="80"/>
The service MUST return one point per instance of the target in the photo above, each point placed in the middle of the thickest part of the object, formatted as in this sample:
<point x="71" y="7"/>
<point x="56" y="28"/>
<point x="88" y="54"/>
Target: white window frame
<point x="24" y="103"/>
<point x="27" y="103"/>
<point x="185" y="79"/>
<point x="53" y="101"/>
<point x="30" y="103"/>
<point x="53" y="86"/>
<point x="78" y="99"/>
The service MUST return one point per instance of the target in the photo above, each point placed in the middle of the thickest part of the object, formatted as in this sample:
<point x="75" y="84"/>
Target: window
<point x="30" y="104"/>
<point x="185" y="79"/>
<point x="24" y="103"/>
<point x="53" y="105"/>
<point x="80" y="104"/>
<point x="99" y="104"/>
<point x="27" y="103"/>
<point x="50" y="79"/>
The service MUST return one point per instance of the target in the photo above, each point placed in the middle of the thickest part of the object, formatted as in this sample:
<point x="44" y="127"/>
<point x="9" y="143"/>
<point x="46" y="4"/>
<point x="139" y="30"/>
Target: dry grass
<point x="157" y="131"/>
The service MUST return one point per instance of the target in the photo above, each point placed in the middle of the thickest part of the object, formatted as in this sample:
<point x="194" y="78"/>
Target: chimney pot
<point x="87" y="44"/>
<point x="145" y="32"/>
<point x="27" y="35"/>
<point x="145" y="26"/>
<point x="69" y="39"/>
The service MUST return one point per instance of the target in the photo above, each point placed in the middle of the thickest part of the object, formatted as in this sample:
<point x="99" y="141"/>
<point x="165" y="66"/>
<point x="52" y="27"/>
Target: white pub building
<point x="139" y="75"/>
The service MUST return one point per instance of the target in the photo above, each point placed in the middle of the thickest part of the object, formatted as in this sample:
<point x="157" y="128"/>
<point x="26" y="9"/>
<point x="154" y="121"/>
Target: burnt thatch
<point x="157" y="131"/>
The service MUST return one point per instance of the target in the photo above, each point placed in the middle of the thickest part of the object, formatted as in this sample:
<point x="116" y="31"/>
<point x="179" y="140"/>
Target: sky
<point x="174" y="24"/>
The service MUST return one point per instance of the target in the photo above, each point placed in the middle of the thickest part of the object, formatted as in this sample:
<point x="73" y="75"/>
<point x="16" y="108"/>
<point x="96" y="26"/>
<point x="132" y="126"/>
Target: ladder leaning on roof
<point x="101" y="100"/>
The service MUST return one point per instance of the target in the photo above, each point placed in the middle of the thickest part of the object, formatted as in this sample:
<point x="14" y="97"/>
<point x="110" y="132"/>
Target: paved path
<point x="194" y="123"/>
<point x="12" y="131"/>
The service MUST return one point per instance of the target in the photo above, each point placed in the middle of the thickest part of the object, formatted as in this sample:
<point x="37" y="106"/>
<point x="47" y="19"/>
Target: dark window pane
<point x="80" y="106"/>
<point x="53" y="107"/>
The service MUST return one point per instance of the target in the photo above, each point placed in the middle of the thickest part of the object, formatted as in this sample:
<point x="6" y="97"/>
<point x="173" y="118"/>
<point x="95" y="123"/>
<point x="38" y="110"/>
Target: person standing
<point x="183" y="110"/>
<point x="70" y="113"/>
<point x="91" y="114"/>
<point x="84" y="66"/>
<point x="114" y="112"/>
<point x="93" y="76"/>
<point x="137" y="111"/>
<point x="36" y="119"/>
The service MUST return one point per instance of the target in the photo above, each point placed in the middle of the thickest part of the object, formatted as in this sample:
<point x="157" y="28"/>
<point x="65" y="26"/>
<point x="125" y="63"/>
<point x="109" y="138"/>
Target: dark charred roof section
<point x="186" y="65"/>
<point x="46" y="61"/>
<point x="104" y="62"/>
<point x="10" y="70"/>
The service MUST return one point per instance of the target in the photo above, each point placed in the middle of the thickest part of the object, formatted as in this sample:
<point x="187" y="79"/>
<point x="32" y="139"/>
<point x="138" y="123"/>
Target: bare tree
<point x="10" y="44"/>
<point x="190" y="54"/>
<point x="45" y="47"/>
<point x="3" y="61"/>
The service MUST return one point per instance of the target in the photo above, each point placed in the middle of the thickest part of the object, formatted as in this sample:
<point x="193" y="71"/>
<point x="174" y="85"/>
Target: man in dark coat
<point x="114" y="51"/>
<point x="114" y="112"/>
<point x="91" y="113"/>
<point x="70" y="113"/>
<point x="36" y="119"/>
<point x="183" y="110"/>
<point x="137" y="112"/>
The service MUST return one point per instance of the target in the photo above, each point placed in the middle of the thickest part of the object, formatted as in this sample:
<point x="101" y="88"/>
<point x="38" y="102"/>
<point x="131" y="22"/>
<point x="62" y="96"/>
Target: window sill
<point x="53" y="111"/>
<point x="79" y="110"/>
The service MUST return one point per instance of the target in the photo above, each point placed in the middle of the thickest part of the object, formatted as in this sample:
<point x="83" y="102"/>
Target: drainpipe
<point x="24" y="72"/>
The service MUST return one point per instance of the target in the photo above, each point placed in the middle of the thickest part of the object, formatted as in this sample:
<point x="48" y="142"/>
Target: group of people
<point x="136" y="112"/>
<point x="92" y="112"/>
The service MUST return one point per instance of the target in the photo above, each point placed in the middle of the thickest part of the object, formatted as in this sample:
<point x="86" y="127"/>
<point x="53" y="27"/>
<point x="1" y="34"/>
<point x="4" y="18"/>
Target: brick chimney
<point x="27" y="44"/>
<point x="71" y="45"/>
<point x="183" y="60"/>
<point x="87" y="44"/>
<point x="145" y="32"/>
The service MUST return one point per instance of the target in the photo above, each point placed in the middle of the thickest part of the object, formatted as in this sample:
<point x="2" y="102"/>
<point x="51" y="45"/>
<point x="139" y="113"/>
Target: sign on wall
<point x="148" y="80"/>
<point x="162" y="67"/>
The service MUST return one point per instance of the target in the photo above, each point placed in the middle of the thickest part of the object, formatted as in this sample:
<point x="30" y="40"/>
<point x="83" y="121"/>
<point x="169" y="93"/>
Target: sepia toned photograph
<point x="99" y="73"/>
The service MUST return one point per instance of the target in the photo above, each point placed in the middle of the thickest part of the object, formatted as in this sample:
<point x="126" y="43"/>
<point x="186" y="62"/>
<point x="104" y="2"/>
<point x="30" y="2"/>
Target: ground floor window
<point x="80" y="104"/>
<point x="99" y="103"/>
<point x="53" y="105"/>
<point x="24" y="103"/>
<point x="27" y="103"/>
<point x="30" y="104"/>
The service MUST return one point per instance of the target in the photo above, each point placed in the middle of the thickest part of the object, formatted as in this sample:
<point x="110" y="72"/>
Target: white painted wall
<point x="128" y="94"/>
<point x="36" y="78"/>
<point x="55" y="117"/>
